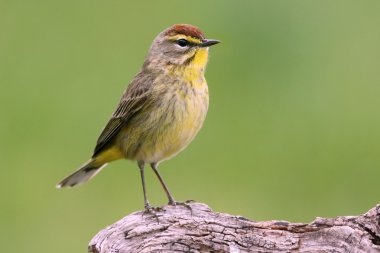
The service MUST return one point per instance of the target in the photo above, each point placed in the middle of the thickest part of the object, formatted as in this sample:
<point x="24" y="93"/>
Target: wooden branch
<point x="177" y="229"/>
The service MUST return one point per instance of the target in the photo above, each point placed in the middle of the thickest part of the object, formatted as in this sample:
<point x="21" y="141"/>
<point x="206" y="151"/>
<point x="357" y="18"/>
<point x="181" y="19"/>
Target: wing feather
<point x="133" y="99"/>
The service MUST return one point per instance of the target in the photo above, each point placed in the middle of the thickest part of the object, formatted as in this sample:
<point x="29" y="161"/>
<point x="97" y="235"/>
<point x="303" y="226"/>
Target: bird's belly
<point x="170" y="142"/>
<point x="167" y="130"/>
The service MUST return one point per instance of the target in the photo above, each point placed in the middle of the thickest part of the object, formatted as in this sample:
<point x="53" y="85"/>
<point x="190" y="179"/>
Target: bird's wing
<point x="131" y="102"/>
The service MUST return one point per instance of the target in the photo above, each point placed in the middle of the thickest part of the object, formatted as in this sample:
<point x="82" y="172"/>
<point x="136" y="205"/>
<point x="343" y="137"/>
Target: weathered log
<point x="179" y="229"/>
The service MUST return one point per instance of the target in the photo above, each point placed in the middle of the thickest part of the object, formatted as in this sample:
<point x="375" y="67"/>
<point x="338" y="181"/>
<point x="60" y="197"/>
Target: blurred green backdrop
<point x="292" y="132"/>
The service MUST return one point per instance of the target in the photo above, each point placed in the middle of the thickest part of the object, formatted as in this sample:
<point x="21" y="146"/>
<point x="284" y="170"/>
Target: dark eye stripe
<point x="184" y="43"/>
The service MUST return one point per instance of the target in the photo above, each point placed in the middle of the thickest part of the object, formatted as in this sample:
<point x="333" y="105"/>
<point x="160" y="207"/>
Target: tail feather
<point x="82" y="175"/>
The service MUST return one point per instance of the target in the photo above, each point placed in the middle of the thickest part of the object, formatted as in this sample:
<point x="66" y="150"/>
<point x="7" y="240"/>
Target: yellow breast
<point x="182" y="120"/>
<point x="167" y="125"/>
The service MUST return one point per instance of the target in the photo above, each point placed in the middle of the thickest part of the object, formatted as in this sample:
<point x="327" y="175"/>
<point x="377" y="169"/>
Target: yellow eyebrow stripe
<point x="188" y="38"/>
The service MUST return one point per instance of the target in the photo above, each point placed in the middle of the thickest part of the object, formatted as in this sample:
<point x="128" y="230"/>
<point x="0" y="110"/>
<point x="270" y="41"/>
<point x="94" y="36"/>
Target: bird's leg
<point x="147" y="206"/>
<point x="170" y="197"/>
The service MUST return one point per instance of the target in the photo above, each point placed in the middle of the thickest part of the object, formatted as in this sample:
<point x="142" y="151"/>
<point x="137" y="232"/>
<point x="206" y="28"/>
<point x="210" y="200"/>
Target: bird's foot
<point x="172" y="202"/>
<point x="148" y="207"/>
<point x="153" y="211"/>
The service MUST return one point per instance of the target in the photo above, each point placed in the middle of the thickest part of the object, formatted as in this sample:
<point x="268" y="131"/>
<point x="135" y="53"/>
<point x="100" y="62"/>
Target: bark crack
<point x="174" y="229"/>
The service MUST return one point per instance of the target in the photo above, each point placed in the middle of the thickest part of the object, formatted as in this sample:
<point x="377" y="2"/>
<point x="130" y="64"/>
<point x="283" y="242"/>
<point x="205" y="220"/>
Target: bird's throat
<point x="194" y="71"/>
<point x="200" y="58"/>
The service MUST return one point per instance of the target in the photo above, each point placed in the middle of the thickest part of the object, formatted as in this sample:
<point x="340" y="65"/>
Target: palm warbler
<point x="160" y="112"/>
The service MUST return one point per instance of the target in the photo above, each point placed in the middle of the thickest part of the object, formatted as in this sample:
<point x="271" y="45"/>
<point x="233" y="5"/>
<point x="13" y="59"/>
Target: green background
<point x="292" y="131"/>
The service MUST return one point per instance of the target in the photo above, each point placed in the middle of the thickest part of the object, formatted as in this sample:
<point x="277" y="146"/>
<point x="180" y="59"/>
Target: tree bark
<point x="179" y="229"/>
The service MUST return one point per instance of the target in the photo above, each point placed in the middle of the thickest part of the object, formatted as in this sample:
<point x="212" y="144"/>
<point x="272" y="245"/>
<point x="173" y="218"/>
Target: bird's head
<point x="180" y="46"/>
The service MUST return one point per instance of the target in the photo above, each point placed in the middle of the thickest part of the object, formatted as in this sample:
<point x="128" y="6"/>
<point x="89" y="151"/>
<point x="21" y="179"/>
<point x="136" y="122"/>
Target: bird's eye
<point x="182" y="42"/>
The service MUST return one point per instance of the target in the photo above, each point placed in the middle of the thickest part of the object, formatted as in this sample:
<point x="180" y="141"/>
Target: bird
<point x="160" y="112"/>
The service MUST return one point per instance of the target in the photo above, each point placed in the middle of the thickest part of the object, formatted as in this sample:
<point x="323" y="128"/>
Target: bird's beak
<point x="208" y="43"/>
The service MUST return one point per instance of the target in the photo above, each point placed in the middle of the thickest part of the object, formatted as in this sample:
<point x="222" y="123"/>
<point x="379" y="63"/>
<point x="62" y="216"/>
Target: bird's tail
<point x="83" y="174"/>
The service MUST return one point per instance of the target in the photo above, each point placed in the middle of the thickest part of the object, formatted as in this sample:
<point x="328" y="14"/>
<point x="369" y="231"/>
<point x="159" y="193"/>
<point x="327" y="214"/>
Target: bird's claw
<point x="185" y="204"/>
<point x="152" y="211"/>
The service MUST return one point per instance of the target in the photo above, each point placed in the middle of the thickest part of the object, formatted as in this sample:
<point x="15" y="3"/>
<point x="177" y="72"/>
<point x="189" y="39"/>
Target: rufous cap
<point x="187" y="30"/>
